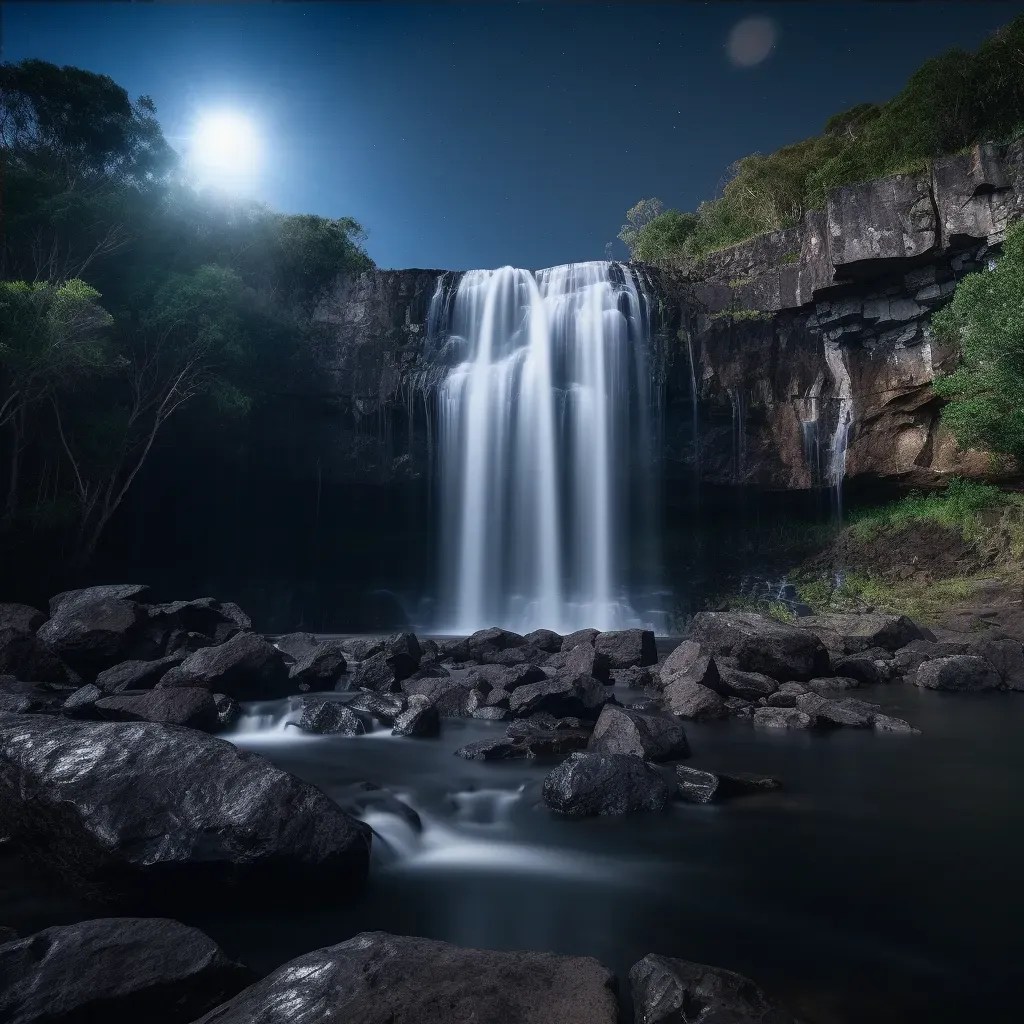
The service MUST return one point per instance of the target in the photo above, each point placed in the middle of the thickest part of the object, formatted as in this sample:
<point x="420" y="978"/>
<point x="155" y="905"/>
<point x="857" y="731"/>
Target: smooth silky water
<point x="880" y="884"/>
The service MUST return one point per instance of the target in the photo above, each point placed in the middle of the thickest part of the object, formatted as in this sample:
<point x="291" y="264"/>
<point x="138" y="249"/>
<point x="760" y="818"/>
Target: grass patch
<point x="738" y="314"/>
<point x="791" y="257"/>
<point x="778" y="610"/>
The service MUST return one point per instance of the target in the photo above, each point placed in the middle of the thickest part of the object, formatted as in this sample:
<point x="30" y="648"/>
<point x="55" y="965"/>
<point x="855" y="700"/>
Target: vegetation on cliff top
<point x="127" y="297"/>
<point x="949" y="103"/>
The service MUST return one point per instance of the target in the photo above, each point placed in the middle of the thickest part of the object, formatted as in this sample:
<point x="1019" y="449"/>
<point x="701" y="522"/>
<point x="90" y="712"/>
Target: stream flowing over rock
<point x="147" y="813"/>
<point x="376" y="978"/>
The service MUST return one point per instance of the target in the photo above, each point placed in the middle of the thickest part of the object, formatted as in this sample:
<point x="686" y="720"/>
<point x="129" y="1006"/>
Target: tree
<point x="986" y="321"/>
<point x="638" y="217"/>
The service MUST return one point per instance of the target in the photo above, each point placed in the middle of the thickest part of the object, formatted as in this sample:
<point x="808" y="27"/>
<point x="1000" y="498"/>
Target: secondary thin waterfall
<point x="544" y="430"/>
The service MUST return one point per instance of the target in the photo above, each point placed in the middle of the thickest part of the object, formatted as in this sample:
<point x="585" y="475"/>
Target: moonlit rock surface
<point x="540" y="424"/>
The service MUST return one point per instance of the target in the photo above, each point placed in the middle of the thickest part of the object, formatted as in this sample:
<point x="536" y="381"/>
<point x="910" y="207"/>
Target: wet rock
<point x="403" y="654"/>
<point x="909" y="659"/>
<point x="545" y="721"/>
<point x="219" y="621"/>
<point x="297" y="645"/>
<point x="832" y="684"/>
<point x="137" y="675"/>
<point x="625" y="648"/>
<point x="420" y="718"/>
<point x="320" y="668"/>
<point x="691" y="700"/>
<point x="137" y="812"/>
<point x="329" y="718"/>
<point x="23" y="618"/>
<point x="486" y="641"/>
<point x="181" y="642"/>
<point x="514" y="656"/>
<point x="91" y="633"/>
<point x="635" y="678"/>
<point x="497" y="698"/>
<point x="860" y="632"/>
<point x="507" y="677"/>
<point x="377" y="978"/>
<point x="702" y="787"/>
<point x="962" y="672"/>
<point x="246" y="667"/>
<point x="652" y="737"/>
<point x="546" y="640"/>
<point x="192" y="706"/>
<point x="782" y="700"/>
<point x="578" y="696"/>
<point x="1006" y="657"/>
<point x="531" y="743"/>
<point x="884" y="723"/>
<point x="80" y="704"/>
<point x="585" y="661"/>
<point x="689" y="663"/>
<point x="490" y="713"/>
<point x="670" y="991"/>
<point x="24" y="655"/>
<point x="588" y="783"/>
<point x="116" y="969"/>
<point x="111" y="591"/>
<point x="870" y="667"/>
<point x="746" y="685"/>
<point x="18" y="697"/>
<point x="581" y="636"/>
<point x="376" y="674"/>
<point x="228" y="710"/>
<point x="427" y="670"/>
<point x="760" y="644"/>
<point x="359" y="797"/>
<point x="362" y="648"/>
<point x="783" y="718"/>
<point x="384" y="707"/>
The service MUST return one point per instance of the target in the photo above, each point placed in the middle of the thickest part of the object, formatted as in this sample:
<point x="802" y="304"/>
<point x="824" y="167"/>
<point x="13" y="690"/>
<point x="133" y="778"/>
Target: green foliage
<point x="985" y="321"/>
<point x="778" y="610"/>
<point x="949" y="103"/>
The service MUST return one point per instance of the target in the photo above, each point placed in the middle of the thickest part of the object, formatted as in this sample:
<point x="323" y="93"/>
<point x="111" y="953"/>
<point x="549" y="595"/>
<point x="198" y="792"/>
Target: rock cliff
<point x="808" y="350"/>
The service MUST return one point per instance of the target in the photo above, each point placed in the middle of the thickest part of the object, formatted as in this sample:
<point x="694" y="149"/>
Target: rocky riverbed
<point x="782" y="799"/>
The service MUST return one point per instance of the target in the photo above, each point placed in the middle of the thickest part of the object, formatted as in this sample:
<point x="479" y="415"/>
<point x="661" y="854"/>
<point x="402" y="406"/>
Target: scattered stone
<point x="245" y="667"/>
<point x="961" y="672"/>
<point x="487" y="641"/>
<point x="782" y="700"/>
<point x="376" y="978"/>
<point x="25" y="656"/>
<point x="506" y="677"/>
<point x="830" y="684"/>
<point x="219" y="621"/>
<point x="588" y="783"/>
<point x="111" y="591"/>
<point x="909" y="659"/>
<point x="827" y="713"/>
<point x="652" y="737"/>
<point x="330" y="718"/>
<point x="427" y="670"/>
<point x="883" y="723"/>
<point x="362" y="648"/>
<point x="80" y="703"/>
<point x="578" y="696"/>
<point x="782" y="718"/>
<point x="670" y="991"/>
<point x="747" y="685"/>
<point x="320" y="668"/>
<point x="23" y="618"/>
<point x="188" y="705"/>
<point x="532" y="743"/>
<point x="490" y="713"/>
<point x="385" y="707"/>
<point x="419" y="719"/>
<point x="546" y="640"/>
<point x="137" y="675"/>
<point x="702" y="787"/>
<point x="634" y="677"/>
<point x="737" y="707"/>
<point x="403" y="654"/>
<point x="514" y="656"/>
<point x="626" y="648"/>
<point x="136" y="812"/>
<point x="116" y="969"/>
<point x="689" y="663"/>
<point x="870" y="667"/>
<point x="376" y="674"/>
<point x="497" y="698"/>
<point x="1006" y="657"/>
<point x="298" y="645"/>
<point x="542" y="721"/>
<point x="581" y="636"/>
<point x="760" y="644"/>
<point x="691" y="700"/>
<point x="584" y="660"/>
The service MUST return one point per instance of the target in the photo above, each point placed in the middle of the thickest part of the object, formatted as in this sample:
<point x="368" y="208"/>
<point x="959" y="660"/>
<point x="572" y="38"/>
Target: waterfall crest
<point x="544" y="446"/>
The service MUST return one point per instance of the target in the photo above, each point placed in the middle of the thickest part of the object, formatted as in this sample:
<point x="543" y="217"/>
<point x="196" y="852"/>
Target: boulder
<point x="908" y="659"/>
<point x="91" y="633"/>
<point x="578" y="696"/>
<point x="1006" y="657"/>
<point x="828" y="713"/>
<point x="81" y="703"/>
<point x="191" y="706"/>
<point x="363" y="647"/>
<point x="544" y="721"/>
<point x="18" y="697"/>
<point x="689" y="663"/>
<point x="701" y="787"/>
<point x="652" y="737"/>
<point x="514" y="656"/>
<point x="535" y="743"/>
<point x="737" y="707"/>
<point x="670" y="991"/>
<point x="136" y="811"/>
<point x="185" y="642"/>
<point x="581" y="636"/>
<point x="634" y="677"/>
<point x="329" y="718"/>
<point x="116" y="969"/>
<point x="855" y="633"/>
<point x="376" y="673"/>
<point x="832" y="684"/>
<point x="229" y="710"/>
<point x="625" y="648"/>
<point x="219" y="621"/>
<point x="884" y="723"/>
<point x="506" y="677"/>
<point x="546" y="640"/>
<point x="485" y="641"/>
<point x="319" y="668"/>
<point x="137" y="675"/>
<point x="377" y="978"/>
<point x="246" y="667"/>
<point x="420" y="718"/>
<point x="760" y="644"/>
<point x="451" y="698"/>
<point x="691" y="700"/>
<point x="24" y="655"/>
<point x="586" y="661"/>
<point x="385" y="707"/>
<point x="23" y="618"/>
<point x="783" y="718"/>
<point x="297" y="645"/>
<point x="961" y="672"/>
<point x="121" y="591"/>
<point x="588" y="783"/>
<point x="750" y="686"/>
<point x="403" y="654"/>
<point x="869" y="667"/>
<point x="490" y="713"/>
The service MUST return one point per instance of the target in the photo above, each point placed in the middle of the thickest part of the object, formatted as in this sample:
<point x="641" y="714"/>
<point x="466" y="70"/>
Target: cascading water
<point x="544" y="431"/>
<point x="844" y="420"/>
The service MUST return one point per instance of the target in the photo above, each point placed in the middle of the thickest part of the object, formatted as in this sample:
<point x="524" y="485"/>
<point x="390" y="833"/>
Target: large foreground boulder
<point x="760" y="644"/>
<point x="119" y="970"/>
<point x="670" y="991"/>
<point x="652" y="737"/>
<point x="962" y="672"/>
<point x="587" y="783"/>
<point x="246" y="667"/>
<point x="377" y="978"/>
<point x="134" y="811"/>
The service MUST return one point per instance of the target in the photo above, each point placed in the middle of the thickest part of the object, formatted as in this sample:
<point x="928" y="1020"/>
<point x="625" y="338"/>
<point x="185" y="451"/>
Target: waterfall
<point x="844" y="420"/>
<point x="544" y="427"/>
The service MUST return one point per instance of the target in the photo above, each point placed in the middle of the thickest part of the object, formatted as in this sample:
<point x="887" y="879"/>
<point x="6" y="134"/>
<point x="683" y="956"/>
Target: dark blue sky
<point x="477" y="136"/>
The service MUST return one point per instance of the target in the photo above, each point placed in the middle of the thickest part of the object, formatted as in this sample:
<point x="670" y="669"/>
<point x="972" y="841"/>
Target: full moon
<point x="225" y="150"/>
<point x="750" y="41"/>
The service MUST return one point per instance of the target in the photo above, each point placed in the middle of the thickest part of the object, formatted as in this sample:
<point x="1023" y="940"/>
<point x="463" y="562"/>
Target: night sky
<point x="478" y="136"/>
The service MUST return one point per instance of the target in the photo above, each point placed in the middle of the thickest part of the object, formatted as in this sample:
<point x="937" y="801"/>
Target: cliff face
<point x="809" y="348"/>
